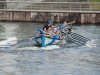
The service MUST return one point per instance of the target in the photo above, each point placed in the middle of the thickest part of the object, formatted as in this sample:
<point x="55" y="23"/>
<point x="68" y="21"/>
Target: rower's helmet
<point x="50" y="22"/>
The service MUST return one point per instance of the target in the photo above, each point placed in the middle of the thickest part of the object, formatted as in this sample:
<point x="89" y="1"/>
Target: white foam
<point x="50" y="47"/>
<point x="3" y="42"/>
<point x="12" y="40"/>
<point x="91" y="43"/>
<point x="9" y="41"/>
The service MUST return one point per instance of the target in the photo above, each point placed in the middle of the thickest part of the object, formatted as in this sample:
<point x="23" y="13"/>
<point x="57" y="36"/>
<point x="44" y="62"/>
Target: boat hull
<point x="46" y="41"/>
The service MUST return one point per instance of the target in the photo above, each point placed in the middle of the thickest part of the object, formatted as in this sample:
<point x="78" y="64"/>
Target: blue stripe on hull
<point x="46" y="41"/>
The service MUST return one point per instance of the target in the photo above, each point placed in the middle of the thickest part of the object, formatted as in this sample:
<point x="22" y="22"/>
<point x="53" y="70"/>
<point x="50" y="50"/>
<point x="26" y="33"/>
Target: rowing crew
<point x="53" y="31"/>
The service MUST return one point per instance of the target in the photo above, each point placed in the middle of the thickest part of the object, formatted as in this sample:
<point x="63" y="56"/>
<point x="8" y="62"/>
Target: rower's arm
<point x="44" y="29"/>
<point x="71" y="22"/>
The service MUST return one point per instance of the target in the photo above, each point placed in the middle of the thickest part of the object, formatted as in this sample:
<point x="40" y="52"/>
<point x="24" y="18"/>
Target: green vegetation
<point x="95" y="6"/>
<point x="94" y="0"/>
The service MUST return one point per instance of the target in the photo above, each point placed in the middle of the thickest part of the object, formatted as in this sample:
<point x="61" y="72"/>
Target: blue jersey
<point x="56" y="36"/>
<point x="41" y="31"/>
<point x="63" y="26"/>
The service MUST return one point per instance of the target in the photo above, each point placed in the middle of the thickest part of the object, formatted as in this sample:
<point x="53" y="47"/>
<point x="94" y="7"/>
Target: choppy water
<point x="69" y="59"/>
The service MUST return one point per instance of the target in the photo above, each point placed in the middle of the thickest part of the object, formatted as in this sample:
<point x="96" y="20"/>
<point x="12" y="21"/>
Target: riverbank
<point x="81" y="18"/>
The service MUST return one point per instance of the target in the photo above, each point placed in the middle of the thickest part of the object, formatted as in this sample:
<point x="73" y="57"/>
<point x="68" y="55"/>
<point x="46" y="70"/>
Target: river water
<point x="68" y="59"/>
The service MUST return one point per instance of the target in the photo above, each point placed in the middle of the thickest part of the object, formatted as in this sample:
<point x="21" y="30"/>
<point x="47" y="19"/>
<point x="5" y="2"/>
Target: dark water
<point x="69" y="59"/>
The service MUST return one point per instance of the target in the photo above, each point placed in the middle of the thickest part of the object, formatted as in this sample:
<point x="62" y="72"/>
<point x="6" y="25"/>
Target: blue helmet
<point x="50" y="22"/>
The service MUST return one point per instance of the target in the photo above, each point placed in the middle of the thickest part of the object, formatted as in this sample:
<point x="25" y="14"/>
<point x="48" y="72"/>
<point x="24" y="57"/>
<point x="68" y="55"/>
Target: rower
<point x="45" y="28"/>
<point x="64" y="27"/>
<point x="65" y="24"/>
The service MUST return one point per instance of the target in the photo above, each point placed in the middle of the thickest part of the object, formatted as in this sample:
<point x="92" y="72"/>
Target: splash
<point x="50" y="47"/>
<point x="12" y="40"/>
<point x="91" y="43"/>
<point x="9" y="41"/>
<point x="29" y="48"/>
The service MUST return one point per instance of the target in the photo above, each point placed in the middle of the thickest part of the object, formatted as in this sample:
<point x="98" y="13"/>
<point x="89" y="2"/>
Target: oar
<point x="28" y="38"/>
<point x="17" y="42"/>
<point x="83" y="37"/>
<point x="79" y="37"/>
<point x="77" y="42"/>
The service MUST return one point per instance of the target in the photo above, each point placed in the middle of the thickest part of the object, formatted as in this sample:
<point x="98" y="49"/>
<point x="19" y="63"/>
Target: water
<point x="69" y="59"/>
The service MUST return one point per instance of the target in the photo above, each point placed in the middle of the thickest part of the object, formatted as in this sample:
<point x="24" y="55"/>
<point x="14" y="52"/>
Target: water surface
<point x="69" y="59"/>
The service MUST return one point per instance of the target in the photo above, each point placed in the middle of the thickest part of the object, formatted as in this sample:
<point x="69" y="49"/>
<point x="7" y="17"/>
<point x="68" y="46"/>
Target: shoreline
<point x="78" y="24"/>
<point x="42" y="17"/>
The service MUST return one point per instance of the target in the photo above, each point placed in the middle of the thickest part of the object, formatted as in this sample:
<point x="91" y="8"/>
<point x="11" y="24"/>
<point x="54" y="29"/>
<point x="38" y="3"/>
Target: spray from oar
<point x="8" y="42"/>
